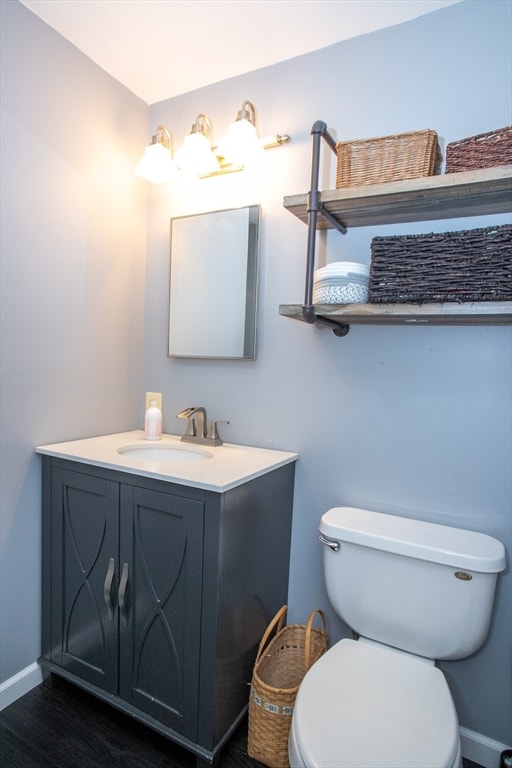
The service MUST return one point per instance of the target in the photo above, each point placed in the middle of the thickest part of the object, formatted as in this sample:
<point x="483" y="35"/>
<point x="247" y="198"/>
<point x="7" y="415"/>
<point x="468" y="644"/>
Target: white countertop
<point x="230" y="465"/>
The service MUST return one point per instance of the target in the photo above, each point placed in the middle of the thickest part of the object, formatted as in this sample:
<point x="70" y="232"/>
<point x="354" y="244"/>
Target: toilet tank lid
<point x="415" y="538"/>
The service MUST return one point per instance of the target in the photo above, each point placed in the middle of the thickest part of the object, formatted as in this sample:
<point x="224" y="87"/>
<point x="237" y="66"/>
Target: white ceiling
<point x="162" y="48"/>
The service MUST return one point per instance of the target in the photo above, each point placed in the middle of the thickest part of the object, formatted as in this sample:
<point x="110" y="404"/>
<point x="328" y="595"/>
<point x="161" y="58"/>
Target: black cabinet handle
<point x="107" y="586"/>
<point x="122" y="594"/>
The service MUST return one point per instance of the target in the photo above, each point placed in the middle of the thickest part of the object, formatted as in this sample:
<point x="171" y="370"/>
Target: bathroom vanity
<point x="161" y="570"/>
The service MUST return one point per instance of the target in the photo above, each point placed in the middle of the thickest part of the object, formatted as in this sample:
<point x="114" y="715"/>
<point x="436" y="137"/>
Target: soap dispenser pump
<point x="153" y="422"/>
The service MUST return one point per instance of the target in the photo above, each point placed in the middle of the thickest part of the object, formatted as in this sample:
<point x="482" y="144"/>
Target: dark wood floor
<point x="64" y="727"/>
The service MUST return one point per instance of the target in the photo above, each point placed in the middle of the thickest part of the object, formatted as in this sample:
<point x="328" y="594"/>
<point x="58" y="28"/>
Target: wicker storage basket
<point x="483" y="151"/>
<point x="388" y="158"/>
<point x="280" y="666"/>
<point x="472" y="265"/>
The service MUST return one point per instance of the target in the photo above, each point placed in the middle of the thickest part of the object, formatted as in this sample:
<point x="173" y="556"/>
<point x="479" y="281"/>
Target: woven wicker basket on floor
<point x="471" y="265"/>
<point x="483" y="151"/>
<point x="280" y="666"/>
<point x="388" y="158"/>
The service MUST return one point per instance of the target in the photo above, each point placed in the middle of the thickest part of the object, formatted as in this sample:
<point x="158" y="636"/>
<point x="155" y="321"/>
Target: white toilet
<point x="412" y="592"/>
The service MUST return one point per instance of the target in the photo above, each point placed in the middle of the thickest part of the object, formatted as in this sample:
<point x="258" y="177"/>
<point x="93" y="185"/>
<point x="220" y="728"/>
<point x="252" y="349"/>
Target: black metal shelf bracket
<point x="316" y="208"/>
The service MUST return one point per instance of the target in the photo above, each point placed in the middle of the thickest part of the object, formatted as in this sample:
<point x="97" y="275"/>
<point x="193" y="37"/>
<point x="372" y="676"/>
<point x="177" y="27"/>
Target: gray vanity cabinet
<point x="155" y="594"/>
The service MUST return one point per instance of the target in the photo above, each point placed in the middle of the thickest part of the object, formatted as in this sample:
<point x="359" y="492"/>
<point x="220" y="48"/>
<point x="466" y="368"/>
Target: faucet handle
<point x="213" y="433"/>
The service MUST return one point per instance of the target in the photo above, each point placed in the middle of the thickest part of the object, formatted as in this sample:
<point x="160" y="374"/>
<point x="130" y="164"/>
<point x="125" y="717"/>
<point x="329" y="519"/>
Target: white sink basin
<point x="164" y="454"/>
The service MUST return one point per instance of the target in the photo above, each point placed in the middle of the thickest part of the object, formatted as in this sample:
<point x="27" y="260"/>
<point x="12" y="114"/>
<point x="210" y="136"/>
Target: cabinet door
<point x="85" y="543"/>
<point x="160" y="605"/>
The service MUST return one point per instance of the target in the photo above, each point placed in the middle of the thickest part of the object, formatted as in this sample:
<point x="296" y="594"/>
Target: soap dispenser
<point x="153" y="422"/>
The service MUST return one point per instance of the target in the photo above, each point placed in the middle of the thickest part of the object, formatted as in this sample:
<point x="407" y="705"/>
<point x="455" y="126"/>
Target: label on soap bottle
<point x="153" y="423"/>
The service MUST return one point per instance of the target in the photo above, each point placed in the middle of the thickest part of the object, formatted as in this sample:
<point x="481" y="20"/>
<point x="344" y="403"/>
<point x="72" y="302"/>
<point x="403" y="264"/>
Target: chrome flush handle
<point x="334" y="545"/>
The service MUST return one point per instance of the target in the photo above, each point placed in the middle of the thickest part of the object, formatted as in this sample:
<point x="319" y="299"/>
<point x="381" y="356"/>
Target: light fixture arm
<point x="247" y="112"/>
<point x="162" y="136"/>
<point x="203" y="125"/>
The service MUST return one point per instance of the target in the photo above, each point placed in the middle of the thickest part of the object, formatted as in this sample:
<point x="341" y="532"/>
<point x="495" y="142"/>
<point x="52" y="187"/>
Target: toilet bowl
<point x="413" y="592"/>
<point x="365" y="706"/>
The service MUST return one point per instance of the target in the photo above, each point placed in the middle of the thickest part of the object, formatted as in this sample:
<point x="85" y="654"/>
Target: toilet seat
<point x="365" y="706"/>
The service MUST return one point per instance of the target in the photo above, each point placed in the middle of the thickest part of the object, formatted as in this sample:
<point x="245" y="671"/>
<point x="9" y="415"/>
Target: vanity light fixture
<point x="156" y="164"/>
<point x="199" y="157"/>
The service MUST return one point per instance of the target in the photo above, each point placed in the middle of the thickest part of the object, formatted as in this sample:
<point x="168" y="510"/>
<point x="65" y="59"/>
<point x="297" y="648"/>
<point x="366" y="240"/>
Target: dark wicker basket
<point x="483" y="151"/>
<point x="387" y="158"/>
<point x="472" y="265"/>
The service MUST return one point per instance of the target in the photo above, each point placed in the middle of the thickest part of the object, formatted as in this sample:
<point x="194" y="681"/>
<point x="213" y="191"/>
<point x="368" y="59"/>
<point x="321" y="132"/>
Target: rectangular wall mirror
<point x="214" y="284"/>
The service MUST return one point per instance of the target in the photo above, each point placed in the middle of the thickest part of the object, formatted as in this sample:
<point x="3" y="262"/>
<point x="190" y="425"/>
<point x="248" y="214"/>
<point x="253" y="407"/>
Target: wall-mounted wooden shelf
<point x="453" y="195"/>
<point x="450" y="313"/>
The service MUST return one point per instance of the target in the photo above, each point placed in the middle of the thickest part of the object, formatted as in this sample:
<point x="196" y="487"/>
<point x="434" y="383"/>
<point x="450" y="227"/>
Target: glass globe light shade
<point x="241" y="145"/>
<point x="196" y="157"/>
<point x="156" y="164"/>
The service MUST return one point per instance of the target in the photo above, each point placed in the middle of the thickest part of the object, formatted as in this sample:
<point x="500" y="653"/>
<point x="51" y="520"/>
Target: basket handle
<point x="278" y="622"/>
<point x="307" y="644"/>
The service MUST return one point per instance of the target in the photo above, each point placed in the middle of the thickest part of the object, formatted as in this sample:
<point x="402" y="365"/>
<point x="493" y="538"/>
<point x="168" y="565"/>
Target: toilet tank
<point x="422" y="587"/>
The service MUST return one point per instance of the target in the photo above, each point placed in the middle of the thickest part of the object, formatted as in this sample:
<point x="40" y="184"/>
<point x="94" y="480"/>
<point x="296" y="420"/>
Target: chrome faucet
<point x="195" y="431"/>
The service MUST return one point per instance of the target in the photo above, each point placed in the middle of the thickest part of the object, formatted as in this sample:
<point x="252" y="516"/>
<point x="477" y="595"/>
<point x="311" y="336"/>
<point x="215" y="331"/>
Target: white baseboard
<point x="20" y="684"/>
<point x="480" y="749"/>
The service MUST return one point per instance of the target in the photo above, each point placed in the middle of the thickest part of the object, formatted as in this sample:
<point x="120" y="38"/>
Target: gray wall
<point x="412" y="420"/>
<point x="73" y="242"/>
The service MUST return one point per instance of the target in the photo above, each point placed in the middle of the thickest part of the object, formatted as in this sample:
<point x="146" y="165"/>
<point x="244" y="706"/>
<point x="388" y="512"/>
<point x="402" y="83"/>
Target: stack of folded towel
<point x="343" y="282"/>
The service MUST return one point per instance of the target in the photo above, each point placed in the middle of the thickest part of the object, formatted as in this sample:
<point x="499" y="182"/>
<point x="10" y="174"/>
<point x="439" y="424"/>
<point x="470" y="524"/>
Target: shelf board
<point x="450" y="313"/>
<point x="453" y="195"/>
